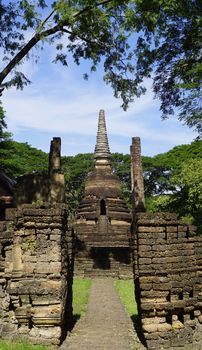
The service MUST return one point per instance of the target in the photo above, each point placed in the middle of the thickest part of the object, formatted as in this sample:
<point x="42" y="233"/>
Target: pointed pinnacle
<point x="102" y="150"/>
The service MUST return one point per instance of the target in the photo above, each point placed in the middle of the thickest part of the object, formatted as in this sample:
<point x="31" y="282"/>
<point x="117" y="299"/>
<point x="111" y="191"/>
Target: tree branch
<point x="47" y="18"/>
<point x="22" y="53"/>
<point x="88" y="41"/>
<point x="88" y="8"/>
<point x="39" y="35"/>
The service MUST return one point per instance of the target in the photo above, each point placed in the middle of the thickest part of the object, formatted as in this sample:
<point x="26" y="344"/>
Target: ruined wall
<point x="32" y="188"/>
<point x="36" y="274"/>
<point x="39" y="188"/>
<point x="168" y="278"/>
<point x="5" y="241"/>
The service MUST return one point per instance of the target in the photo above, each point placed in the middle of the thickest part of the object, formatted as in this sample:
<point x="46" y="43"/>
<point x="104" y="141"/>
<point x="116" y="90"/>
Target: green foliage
<point x="19" y="158"/>
<point x="189" y="180"/>
<point x="186" y="197"/>
<point x="76" y="170"/>
<point x="4" y="135"/>
<point x="157" y="203"/>
<point x="28" y="244"/>
<point x="125" y="289"/>
<point x="132" y="39"/>
<point x="174" y="182"/>
<point x="121" y="167"/>
<point x="9" y="345"/>
<point x="159" y="169"/>
<point x="81" y="289"/>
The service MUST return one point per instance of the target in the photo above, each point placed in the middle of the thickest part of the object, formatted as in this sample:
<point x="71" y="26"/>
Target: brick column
<point x="55" y="155"/>
<point x="137" y="177"/>
<point x="57" y="182"/>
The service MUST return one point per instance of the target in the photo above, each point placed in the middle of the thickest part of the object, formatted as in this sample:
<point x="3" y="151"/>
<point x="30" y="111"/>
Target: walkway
<point x="105" y="325"/>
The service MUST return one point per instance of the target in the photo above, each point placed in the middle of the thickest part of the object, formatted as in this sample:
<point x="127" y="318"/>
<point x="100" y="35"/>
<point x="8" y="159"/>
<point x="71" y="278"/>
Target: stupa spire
<point x="102" y="151"/>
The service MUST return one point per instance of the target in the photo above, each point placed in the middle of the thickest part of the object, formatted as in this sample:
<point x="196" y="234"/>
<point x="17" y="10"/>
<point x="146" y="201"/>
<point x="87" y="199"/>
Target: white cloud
<point x="60" y="103"/>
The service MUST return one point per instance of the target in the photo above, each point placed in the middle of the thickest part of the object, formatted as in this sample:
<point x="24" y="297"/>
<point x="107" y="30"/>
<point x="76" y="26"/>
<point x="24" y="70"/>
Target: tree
<point x="175" y="182"/>
<point x="158" y="170"/>
<point x="188" y="189"/>
<point x="4" y="135"/>
<point x="121" y="167"/>
<point x="133" y="39"/>
<point x="186" y="197"/>
<point x="76" y="170"/>
<point x="19" y="158"/>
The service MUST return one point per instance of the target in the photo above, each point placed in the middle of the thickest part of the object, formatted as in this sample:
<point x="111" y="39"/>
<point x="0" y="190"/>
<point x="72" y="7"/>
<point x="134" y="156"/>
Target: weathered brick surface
<point x="36" y="274"/>
<point x="102" y="228"/>
<point x="168" y="277"/>
<point x="137" y="181"/>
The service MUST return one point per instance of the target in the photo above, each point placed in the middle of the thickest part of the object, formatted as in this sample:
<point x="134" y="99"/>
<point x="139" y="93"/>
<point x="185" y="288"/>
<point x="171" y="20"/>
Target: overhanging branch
<point x="43" y="34"/>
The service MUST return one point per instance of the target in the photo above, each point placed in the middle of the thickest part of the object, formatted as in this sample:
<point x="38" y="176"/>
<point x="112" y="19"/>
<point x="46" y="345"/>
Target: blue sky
<point x="59" y="102"/>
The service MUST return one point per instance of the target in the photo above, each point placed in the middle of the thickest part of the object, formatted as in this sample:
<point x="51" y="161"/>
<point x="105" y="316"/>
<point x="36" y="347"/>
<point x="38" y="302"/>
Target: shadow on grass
<point x="138" y="328"/>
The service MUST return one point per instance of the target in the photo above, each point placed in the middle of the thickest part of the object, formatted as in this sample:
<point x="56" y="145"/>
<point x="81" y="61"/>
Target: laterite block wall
<point x="36" y="274"/>
<point x="168" y="278"/>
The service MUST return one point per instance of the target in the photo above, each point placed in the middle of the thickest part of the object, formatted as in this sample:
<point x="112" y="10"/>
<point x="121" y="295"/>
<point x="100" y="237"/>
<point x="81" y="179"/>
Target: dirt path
<point x="105" y="325"/>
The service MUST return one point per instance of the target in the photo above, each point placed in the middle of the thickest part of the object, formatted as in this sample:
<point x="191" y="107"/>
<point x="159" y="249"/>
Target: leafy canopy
<point x="76" y="168"/>
<point x="132" y="39"/>
<point x="190" y="179"/>
<point x="173" y="182"/>
<point x="19" y="158"/>
<point x="4" y="135"/>
<point x="159" y="169"/>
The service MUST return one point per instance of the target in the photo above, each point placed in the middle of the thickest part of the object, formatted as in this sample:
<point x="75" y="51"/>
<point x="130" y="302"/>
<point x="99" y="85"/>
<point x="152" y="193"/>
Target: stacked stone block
<point x="168" y="278"/>
<point x="38" y="275"/>
<point x="5" y="242"/>
<point x="102" y="241"/>
<point x="103" y="262"/>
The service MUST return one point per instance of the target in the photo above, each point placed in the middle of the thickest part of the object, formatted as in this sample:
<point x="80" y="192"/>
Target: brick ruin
<point x="36" y="260"/>
<point x="137" y="182"/>
<point x="103" y="219"/>
<point x="39" y="188"/>
<point x="162" y="253"/>
<point x="6" y="194"/>
<point x="167" y="275"/>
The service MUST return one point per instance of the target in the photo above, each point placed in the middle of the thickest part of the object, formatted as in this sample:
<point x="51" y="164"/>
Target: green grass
<point x="9" y="345"/>
<point x="81" y="288"/>
<point x="125" y="289"/>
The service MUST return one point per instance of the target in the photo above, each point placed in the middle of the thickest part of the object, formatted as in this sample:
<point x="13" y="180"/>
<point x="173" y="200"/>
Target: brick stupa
<point x="103" y="219"/>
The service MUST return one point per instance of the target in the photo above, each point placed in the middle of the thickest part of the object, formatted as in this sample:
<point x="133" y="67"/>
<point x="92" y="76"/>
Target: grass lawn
<point x="125" y="289"/>
<point x="8" y="345"/>
<point x="81" y="289"/>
